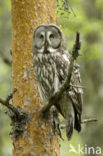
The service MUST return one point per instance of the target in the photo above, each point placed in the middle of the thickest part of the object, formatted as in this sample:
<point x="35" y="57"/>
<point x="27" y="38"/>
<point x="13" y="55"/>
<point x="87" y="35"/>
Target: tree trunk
<point x="38" y="138"/>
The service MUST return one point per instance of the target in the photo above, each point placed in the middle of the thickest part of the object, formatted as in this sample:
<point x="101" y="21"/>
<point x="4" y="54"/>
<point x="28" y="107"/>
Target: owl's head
<point x="48" y="38"/>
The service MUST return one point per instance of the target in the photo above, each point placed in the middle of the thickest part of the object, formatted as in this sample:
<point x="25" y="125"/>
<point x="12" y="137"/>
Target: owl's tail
<point x="69" y="126"/>
<point x="65" y="107"/>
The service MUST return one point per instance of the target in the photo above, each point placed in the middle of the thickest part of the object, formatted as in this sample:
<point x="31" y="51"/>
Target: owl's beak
<point x="46" y="44"/>
<point x="46" y="48"/>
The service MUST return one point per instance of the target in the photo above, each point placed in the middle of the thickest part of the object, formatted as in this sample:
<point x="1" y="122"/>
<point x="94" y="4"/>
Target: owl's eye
<point x="41" y="37"/>
<point x="51" y="36"/>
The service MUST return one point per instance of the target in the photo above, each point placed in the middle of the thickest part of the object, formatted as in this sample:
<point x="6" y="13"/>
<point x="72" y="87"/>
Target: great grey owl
<point x="51" y="63"/>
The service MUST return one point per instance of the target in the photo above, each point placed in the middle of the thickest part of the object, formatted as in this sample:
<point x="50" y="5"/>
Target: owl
<point x="51" y="65"/>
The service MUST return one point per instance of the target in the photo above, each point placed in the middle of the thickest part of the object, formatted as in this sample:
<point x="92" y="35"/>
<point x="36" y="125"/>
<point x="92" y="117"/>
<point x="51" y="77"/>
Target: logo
<point x="85" y="149"/>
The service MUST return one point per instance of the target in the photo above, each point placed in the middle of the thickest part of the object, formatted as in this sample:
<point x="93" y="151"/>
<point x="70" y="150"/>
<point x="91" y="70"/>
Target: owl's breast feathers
<point x="44" y="67"/>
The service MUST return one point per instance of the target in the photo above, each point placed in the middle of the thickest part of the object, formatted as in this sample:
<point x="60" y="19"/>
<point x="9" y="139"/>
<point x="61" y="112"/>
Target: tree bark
<point x="38" y="138"/>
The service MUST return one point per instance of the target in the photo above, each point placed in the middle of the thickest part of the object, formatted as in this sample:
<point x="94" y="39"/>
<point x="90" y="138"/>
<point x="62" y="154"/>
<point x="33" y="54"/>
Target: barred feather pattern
<point x="46" y="75"/>
<point x="51" y="71"/>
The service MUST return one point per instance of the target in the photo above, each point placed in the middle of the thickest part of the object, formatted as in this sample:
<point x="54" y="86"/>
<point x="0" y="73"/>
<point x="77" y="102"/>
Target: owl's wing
<point x="75" y="93"/>
<point x="76" y="90"/>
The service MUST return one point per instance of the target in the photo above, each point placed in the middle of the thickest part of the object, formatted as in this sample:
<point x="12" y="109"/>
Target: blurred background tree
<point x="5" y="74"/>
<point x="85" y="16"/>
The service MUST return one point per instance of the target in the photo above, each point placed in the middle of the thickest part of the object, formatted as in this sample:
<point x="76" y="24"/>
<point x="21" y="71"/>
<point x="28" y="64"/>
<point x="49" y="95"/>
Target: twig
<point x="85" y="121"/>
<point x="77" y="86"/>
<point x="5" y="59"/>
<point x="19" y="117"/>
<point x="88" y="120"/>
<point x="7" y="104"/>
<point x="10" y="96"/>
<point x="54" y="99"/>
<point x="71" y="9"/>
